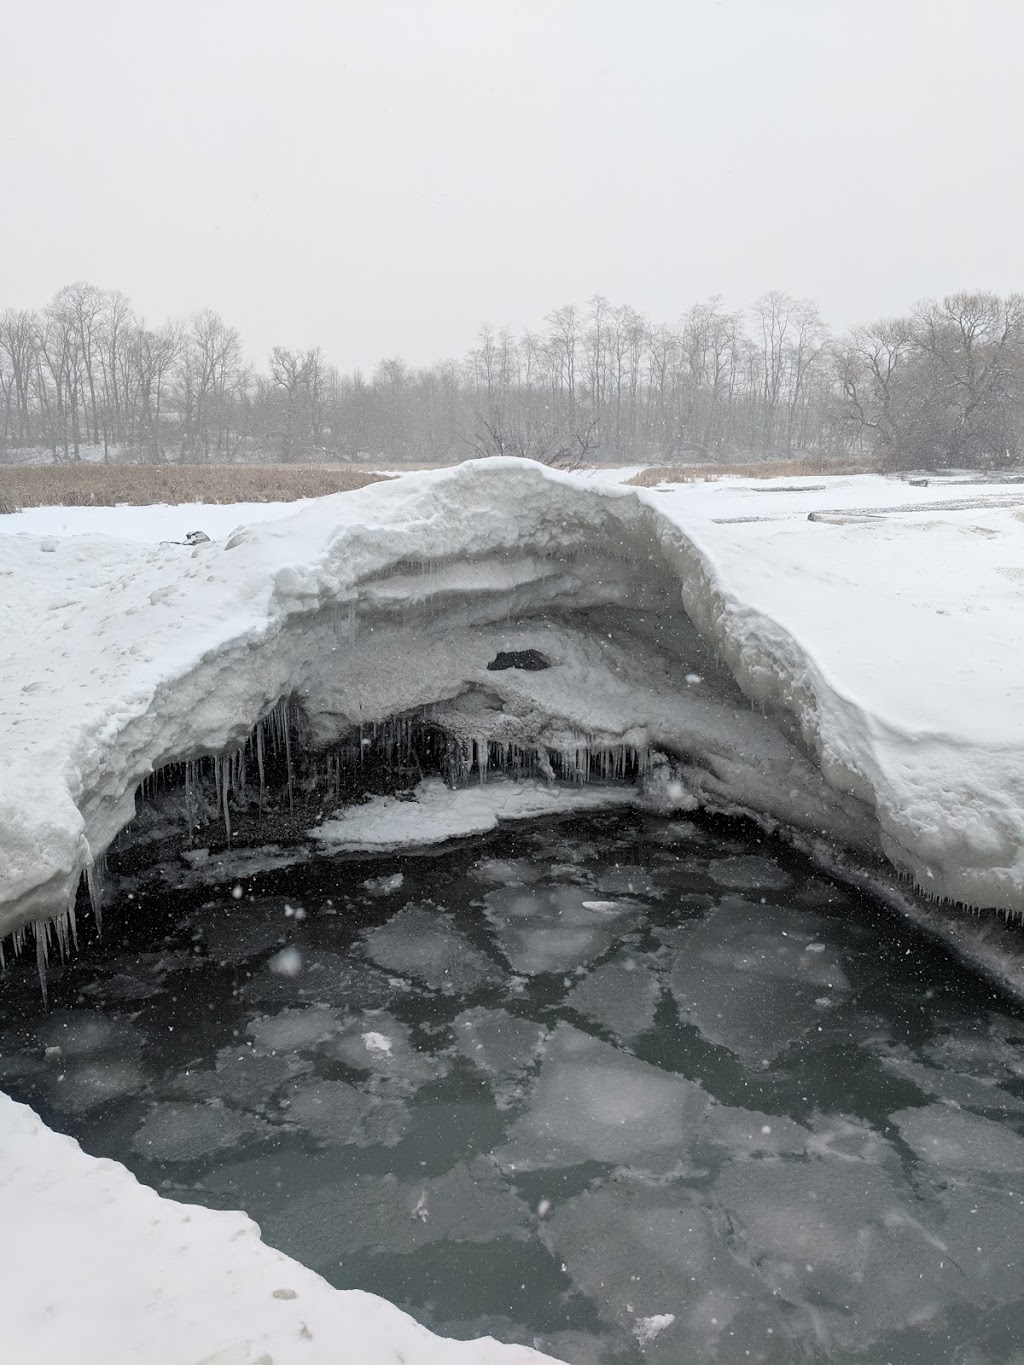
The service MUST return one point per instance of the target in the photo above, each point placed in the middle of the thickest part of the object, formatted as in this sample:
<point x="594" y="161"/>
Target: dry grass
<point x="764" y="469"/>
<point x="99" y="485"/>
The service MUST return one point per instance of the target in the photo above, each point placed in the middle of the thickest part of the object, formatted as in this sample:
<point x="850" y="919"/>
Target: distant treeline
<point x="942" y="386"/>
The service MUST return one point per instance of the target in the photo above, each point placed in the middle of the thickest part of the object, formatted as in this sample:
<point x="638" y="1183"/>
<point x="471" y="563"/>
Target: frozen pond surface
<point x="628" y="1090"/>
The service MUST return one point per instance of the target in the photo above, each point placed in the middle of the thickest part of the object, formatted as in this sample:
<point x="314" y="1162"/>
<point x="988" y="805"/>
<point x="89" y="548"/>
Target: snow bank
<point x="882" y="647"/>
<point x="103" y="1271"/>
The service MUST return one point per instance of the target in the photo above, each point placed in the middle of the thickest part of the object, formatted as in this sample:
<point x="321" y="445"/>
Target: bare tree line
<point x="942" y="386"/>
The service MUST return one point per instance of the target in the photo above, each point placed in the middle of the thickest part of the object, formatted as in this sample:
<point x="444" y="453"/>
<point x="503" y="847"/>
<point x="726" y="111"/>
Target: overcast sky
<point x="378" y="177"/>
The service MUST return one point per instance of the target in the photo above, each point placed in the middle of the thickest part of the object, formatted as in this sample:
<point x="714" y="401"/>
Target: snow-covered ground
<point x="883" y="636"/>
<point x="147" y="525"/>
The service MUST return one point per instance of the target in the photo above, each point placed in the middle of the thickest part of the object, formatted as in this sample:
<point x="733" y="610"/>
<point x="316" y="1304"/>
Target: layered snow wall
<point x="391" y="601"/>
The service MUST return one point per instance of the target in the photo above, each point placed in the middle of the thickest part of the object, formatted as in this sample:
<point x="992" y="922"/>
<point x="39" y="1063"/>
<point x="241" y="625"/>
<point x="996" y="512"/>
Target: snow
<point x="888" y="644"/>
<point x="436" y="813"/>
<point x="146" y="525"/>
<point x="104" y="1271"/>
<point x="874" y="627"/>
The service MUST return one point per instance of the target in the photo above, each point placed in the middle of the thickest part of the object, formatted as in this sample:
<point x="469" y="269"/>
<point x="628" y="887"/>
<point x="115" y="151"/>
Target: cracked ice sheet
<point x="555" y="929"/>
<point x="595" y="1103"/>
<point x="437" y="813"/>
<point x="654" y="1257"/>
<point x="833" y="1238"/>
<point x="103" y="1271"/>
<point x="423" y="942"/>
<point x="749" y="977"/>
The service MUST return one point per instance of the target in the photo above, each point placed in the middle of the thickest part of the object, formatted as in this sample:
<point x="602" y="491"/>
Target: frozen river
<point x="624" y="1089"/>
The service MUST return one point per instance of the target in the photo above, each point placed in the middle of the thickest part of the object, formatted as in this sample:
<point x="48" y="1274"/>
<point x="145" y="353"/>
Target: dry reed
<point x="108" y="485"/>
<point x="764" y="469"/>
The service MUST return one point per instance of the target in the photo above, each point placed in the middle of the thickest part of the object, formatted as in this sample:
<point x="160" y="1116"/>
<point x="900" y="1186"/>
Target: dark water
<point x="624" y="1089"/>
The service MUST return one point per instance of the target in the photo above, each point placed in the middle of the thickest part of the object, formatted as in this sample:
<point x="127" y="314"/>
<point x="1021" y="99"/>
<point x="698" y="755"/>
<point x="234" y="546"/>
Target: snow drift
<point x="392" y="601"/>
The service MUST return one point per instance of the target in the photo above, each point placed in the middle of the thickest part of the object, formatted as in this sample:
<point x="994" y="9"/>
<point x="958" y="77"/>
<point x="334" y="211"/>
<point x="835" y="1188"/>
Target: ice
<point x="507" y="871"/>
<point x="748" y="977"/>
<point x="628" y="880"/>
<point x="95" y="1083"/>
<point x="502" y="1045"/>
<point x="959" y="1144"/>
<point x="337" y="1114"/>
<point x="190" y="1132"/>
<point x="595" y="1103"/>
<point x="296" y="1030"/>
<point x="384" y="1214"/>
<point x="622" y="995"/>
<point x="81" y="1033"/>
<point x="833" y="1239"/>
<point x="749" y="1133"/>
<point x="968" y="1092"/>
<point x="240" y="1075"/>
<point x="748" y="873"/>
<point x="652" y="1259"/>
<point x="981" y="1230"/>
<point x="551" y="929"/>
<point x="384" y="886"/>
<point x="324" y="978"/>
<point x="378" y="1043"/>
<point x="423" y="942"/>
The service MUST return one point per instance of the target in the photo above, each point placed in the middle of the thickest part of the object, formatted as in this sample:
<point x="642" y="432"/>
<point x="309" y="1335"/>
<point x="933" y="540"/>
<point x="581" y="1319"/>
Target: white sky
<point x="380" y="176"/>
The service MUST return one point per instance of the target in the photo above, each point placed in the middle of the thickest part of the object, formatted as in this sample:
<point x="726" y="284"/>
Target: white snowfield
<point x="97" y="1269"/>
<point x="886" y="647"/>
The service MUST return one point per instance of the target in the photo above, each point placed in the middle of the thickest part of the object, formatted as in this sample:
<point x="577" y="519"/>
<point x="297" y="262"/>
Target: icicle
<point x="94" y="883"/>
<point x="42" y="957"/>
<point x="224" y="789"/>
<point x="261" y="765"/>
<point x="288" y="760"/>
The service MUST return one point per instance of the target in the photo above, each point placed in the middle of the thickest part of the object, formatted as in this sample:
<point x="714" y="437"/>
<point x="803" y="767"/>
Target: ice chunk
<point x="94" y="1083"/>
<point x="294" y="1030"/>
<point x="336" y="1114"/>
<point x="241" y="1075"/>
<point x="551" y="929"/>
<point x="326" y="978"/>
<point x="748" y="1133"/>
<point x="379" y="1043"/>
<point x="834" y="1235"/>
<point x="960" y="1144"/>
<point x="507" y="871"/>
<point x="622" y="995"/>
<point x="954" y="1088"/>
<point x="501" y="1045"/>
<point x="748" y="977"/>
<point x="384" y="886"/>
<point x="384" y="1214"/>
<point x="654" y="1263"/>
<point x="86" y="1033"/>
<point x="595" y="1103"/>
<point x="748" y="873"/>
<point x="423" y="942"/>
<point x="190" y="1132"/>
<point x="629" y="880"/>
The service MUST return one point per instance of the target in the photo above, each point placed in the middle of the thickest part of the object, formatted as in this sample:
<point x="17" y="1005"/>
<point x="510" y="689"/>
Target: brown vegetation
<point x="107" y="485"/>
<point x="764" y="469"/>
